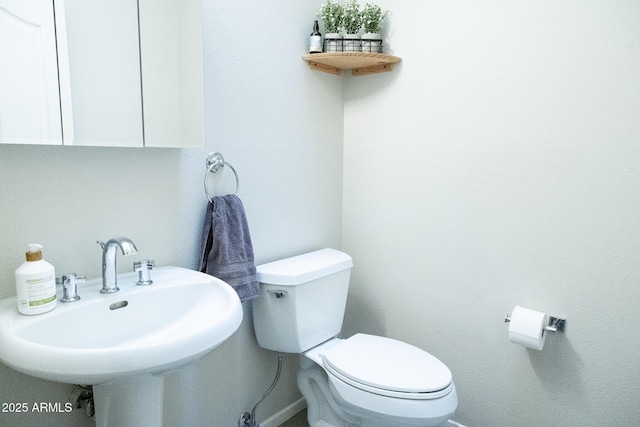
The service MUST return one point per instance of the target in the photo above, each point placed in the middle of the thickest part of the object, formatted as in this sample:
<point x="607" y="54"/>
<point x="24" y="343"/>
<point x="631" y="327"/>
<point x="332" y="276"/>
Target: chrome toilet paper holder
<point x="556" y="324"/>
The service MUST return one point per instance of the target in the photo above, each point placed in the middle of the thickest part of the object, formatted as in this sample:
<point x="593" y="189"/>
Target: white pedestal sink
<point x="123" y="343"/>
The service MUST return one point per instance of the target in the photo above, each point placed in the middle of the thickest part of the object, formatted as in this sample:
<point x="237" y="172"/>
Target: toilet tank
<point x="302" y="300"/>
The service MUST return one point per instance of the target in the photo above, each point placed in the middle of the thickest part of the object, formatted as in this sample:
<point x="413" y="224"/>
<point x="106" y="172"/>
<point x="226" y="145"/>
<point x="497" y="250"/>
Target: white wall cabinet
<point x="117" y="73"/>
<point x="29" y="90"/>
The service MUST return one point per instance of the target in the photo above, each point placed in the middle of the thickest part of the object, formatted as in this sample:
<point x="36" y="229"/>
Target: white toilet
<point x="365" y="380"/>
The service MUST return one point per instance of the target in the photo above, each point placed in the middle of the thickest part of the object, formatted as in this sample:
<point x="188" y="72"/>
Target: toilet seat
<point x="388" y="367"/>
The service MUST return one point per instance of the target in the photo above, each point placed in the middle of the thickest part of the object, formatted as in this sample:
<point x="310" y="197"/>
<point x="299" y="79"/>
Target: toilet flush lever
<point x="277" y="292"/>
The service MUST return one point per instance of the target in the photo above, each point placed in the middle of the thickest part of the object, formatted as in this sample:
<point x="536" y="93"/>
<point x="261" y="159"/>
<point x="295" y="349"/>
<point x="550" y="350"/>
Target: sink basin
<point x="140" y="329"/>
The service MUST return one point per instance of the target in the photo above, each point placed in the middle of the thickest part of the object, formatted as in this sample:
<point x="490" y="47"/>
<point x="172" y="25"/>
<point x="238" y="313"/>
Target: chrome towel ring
<point x="215" y="162"/>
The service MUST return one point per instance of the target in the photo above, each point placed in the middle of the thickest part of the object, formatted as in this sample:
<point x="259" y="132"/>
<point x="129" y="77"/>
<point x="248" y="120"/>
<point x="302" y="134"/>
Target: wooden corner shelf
<point x="360" y="63"/>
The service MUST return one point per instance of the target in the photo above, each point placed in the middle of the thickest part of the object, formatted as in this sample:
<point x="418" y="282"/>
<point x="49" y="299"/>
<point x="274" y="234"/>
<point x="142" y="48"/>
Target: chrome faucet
<point x="109" y="252"/>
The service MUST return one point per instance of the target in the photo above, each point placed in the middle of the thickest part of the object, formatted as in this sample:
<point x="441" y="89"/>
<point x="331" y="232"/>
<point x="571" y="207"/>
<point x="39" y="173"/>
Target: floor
<point x="300" y="420"/>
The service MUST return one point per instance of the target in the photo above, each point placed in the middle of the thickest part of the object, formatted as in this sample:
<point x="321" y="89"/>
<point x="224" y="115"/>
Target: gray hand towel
<point x="227" y="250"/>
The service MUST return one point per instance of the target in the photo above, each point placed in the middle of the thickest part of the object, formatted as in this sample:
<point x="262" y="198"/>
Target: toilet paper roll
<point x="527" y="327"/>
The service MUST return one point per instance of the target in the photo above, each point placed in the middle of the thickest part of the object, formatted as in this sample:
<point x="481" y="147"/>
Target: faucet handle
<point x="144" y="268"/>
<point x="70" y="287"/>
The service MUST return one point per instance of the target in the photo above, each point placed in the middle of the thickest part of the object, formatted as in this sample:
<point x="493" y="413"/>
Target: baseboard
<point x="281" y="416"/>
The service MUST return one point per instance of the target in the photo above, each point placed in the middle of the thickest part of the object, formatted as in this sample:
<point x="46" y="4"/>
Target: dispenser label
<point x="40" y="302"/>
<point x="37" y="292"/>
<point x="41" y="290"/>
<point x="315" y="44"/>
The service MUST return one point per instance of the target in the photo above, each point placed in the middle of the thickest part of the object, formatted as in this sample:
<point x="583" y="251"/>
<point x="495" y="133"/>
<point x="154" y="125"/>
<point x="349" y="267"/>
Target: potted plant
<point x="352" y="22"/>
<point x="331" y="15"/>
<point x="372" y="17"/>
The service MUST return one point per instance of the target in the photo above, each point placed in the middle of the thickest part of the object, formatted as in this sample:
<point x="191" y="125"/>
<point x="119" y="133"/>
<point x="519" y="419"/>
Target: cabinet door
<point x="29" y="93"/>
<point x="172" y="72"/>
<point x="104" y="68"/>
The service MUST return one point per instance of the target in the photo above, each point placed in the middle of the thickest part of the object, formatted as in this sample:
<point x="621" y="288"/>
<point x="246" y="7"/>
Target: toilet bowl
<point x="365" y="380"/>
<point x="382" y="380"/>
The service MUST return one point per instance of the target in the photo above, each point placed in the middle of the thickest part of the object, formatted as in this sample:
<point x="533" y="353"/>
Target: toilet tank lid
<point x="303" y="268"/>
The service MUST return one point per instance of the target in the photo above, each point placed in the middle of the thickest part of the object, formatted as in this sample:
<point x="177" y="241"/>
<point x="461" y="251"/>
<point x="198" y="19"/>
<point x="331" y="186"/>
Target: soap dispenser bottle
<point x="35" y="283"/>
<point x="315" y="39"/>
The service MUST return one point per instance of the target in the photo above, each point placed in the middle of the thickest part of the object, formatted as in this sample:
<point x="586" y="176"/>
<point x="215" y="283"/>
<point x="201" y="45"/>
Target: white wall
<point x="498" y="165"/>
<point x="279" y="124"/>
